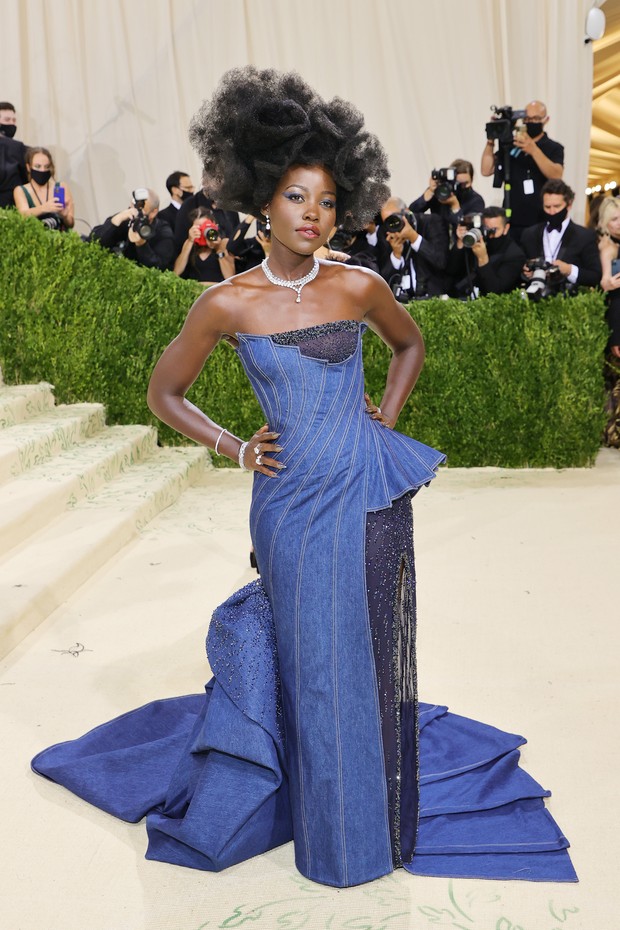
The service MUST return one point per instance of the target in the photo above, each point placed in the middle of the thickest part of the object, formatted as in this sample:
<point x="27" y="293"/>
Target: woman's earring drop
<point x="267" y="223"/>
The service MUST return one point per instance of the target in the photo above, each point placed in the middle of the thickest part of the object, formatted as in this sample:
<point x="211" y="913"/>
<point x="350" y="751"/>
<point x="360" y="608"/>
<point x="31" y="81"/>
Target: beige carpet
<point x="518" y="620"/>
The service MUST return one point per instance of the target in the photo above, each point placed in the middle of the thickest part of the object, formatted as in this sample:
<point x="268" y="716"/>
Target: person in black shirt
<point x="116" y="234"/>
<point x="227" y="220"/>
<point x="463" y="201"/>
<point x="534" y="159"/>
<point x="204" y="258"/>
<point x="493" y="265"/>
<point x="12" y="155"/>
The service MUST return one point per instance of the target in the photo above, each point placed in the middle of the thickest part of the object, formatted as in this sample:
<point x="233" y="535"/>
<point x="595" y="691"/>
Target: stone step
<point x="36" y="440"/>
<point x="51" y="565"/>
<point x="24" y="401"/>
<point x="38" y="495"/>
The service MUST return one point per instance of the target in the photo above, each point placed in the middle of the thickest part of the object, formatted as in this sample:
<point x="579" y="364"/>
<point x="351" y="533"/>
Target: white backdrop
<point x="110" y="85"/>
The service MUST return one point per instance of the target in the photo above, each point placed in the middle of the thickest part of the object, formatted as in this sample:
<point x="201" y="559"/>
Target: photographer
<point x="204" y="256"/>
<point x="450" y="197"/>
<point x="533" y="159"/>
<point x="355" y="247"/>
<point x="413" y="251"/>
<point x="137" y="233"/>
<point x="484" y="259"/>
<point x="249" y="250"/>
<point x="227" y="220"/>
<point x="565" y="245"/>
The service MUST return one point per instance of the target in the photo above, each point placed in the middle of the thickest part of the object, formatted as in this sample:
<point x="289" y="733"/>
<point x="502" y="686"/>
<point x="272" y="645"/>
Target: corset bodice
<point x="310" y="385"/>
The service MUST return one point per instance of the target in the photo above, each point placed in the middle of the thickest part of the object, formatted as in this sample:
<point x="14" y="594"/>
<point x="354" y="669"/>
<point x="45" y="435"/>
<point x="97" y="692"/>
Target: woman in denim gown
<point x="311" y="728"/>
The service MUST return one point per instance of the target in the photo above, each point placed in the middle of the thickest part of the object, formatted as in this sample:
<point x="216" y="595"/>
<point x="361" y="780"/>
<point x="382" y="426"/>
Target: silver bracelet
<point x="218" y="440"/>
<point x="242" y="449"/>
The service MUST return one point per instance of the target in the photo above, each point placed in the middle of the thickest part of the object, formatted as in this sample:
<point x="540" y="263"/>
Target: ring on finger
<point x="259" y="459"/>
<point x="378" y="409"/>
<point x="257" y="449"/>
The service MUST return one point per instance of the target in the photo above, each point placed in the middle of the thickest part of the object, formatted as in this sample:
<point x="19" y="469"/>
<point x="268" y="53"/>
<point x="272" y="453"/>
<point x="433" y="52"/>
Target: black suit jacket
<point x="12" y="168"/>
<point x="578" y="247"/>
<point x="429" y="262"/>
<point x="500" y="275"/>
<point x="169" y="216"/>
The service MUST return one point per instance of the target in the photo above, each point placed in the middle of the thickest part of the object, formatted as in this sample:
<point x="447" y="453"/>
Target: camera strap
<point x="408" y="270"/>
<point x="405" y="271"/>
<point x="469" y="275"/>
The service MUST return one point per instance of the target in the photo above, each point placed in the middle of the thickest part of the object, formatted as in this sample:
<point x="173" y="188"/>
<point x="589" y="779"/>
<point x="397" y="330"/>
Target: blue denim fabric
<point x="308" y="531"/>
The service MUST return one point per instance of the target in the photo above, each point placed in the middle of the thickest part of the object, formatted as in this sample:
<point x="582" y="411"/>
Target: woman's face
<point x="40" y="162"/>
<point x="613" y="224"/>
<point x="302" y="211"/>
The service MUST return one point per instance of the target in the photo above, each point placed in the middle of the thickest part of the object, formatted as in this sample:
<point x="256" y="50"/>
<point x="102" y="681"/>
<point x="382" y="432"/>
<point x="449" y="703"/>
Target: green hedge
<point x="506" y="382"/>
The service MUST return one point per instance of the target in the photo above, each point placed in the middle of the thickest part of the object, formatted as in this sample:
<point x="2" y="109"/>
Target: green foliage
<point x="506" y="382"/>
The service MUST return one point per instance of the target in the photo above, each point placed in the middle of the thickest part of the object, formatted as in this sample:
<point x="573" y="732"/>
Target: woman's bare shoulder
<point x="356" y="278"/>
<point x="220" y="307"/>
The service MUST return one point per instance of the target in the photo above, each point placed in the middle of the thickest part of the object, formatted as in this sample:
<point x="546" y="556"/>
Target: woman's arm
<point x="226" y="260"/>
<point x="393" y="324"/>
<point x="182" y="258"/>
<point x="608" y="250"/>
<point x="48" y="206"/>
<point x="177" y="369"/>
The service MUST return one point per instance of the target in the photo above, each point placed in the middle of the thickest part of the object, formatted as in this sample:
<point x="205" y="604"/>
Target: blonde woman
<point x="609" y="248"/>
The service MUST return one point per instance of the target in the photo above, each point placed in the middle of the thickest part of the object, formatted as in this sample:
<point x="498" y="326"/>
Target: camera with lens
<point x="446" y="183"/>
<point x="503" y="123"/>
<point x="343" y="238"/>
<point x="547" y="279"/>
<point x="51" y="221"/>
<point x="476" y="230"/>
<point x="209" y="232"/>
<point x="395" y="222"/>
<point x="140" y="223"/>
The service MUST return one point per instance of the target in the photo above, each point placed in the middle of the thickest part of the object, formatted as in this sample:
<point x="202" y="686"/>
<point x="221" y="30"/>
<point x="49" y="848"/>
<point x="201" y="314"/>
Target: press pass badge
<point x="528" y="186"/>
<point x="405" y="282"/>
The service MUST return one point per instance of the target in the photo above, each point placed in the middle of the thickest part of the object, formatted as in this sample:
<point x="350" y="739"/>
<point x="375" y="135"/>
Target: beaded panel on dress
<point x="332" y="342"/>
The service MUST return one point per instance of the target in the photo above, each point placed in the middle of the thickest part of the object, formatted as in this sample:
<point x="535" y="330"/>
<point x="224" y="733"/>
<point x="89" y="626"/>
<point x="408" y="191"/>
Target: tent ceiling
<point x="605" y="138"/>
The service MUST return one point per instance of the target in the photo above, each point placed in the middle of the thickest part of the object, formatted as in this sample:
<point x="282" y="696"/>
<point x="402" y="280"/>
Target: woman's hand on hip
<point x="255" y="457"/>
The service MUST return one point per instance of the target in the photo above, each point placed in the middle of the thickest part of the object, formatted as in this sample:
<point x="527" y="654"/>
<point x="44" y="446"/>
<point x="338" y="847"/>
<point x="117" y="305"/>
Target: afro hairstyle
<point x="259" y="123"/>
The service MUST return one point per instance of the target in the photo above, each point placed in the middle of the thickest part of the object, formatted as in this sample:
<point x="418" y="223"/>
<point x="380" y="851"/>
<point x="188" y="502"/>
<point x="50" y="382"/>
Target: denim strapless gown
<point x="310" y="728"/>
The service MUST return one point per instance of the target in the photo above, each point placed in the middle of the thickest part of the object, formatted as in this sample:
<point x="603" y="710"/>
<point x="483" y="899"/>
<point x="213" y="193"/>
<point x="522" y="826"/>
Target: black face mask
<point x="534" y="129"/>
<point x="555" y="221"/>
<point x="494" y="243"/>
<point x="461" y="191"/>
<point x="186" y="194"/>
<point x="8" y="129"/>
<point x="40" y="177"/>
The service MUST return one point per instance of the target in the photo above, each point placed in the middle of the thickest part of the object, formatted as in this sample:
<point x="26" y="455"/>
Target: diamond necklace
<point x="294" y="285"/>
